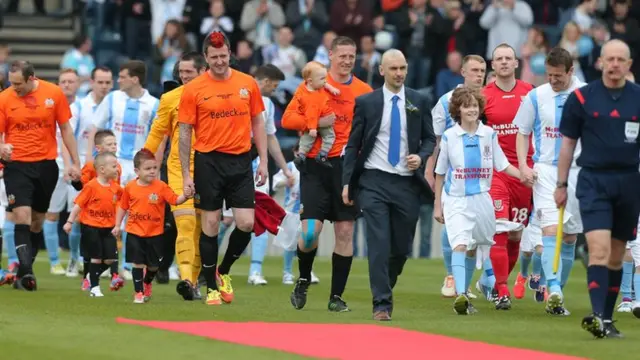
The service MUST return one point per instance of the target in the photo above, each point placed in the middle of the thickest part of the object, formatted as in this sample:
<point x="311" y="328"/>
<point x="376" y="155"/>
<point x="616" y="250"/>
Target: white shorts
<point x="128" y="172"/>
<point x="263" y="189"/>
<point x="469" y="220"/>
<point x="545" y="205"/>
<point x="60" y="196"/>
<point x="531" y="237"/>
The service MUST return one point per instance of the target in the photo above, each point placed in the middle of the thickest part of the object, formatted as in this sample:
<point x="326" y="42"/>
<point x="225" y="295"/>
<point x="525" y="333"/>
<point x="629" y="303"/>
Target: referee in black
<point x="604" y="115"/>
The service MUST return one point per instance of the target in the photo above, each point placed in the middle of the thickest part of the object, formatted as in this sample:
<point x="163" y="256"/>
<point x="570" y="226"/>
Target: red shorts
<point x="511" y="199"/>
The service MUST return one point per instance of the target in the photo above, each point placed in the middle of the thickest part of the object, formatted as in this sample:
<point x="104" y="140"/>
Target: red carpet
<point x="348" y="341"/>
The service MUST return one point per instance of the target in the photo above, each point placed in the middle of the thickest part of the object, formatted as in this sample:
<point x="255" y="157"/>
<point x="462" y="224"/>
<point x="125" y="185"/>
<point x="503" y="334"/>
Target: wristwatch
<point x="561" y="184"/>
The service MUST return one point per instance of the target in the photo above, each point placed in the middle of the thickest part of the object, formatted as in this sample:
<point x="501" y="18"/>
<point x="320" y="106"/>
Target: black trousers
<point x="390" y="205"/>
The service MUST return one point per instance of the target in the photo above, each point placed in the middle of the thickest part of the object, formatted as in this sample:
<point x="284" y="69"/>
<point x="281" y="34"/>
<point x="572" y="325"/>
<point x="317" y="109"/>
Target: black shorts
<point x="30" y="184"/>
<point x="98" y="243"/>
<point x="609" y="200"/>
<point x="222" y="177"/>
<point x="321" y="192"/>
<point x="145" y="250"/>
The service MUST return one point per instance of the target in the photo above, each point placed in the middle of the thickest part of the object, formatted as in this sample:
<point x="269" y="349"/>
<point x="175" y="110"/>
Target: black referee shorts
<point x="321" y="193"/>
<point x="30" y="184"/>
<point x="222" y="177"/>
<point x="609" y="200"/>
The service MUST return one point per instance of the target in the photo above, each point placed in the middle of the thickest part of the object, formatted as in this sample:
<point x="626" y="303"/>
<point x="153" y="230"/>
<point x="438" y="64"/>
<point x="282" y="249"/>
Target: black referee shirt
<point x="607" y="123"/>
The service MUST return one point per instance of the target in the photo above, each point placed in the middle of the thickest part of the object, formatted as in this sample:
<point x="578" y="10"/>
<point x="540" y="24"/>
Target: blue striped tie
<point x="394" y="133"/>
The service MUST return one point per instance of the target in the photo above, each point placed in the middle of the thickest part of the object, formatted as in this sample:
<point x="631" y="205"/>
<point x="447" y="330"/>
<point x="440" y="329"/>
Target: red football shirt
<point x="500" y="110"/>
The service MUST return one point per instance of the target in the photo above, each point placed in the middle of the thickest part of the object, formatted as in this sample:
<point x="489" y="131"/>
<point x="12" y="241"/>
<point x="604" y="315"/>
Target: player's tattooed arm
<point x="185" y="147"/>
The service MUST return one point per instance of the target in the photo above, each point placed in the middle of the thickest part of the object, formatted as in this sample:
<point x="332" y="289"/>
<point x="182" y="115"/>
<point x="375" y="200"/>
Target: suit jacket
<point x="365" y="127"/>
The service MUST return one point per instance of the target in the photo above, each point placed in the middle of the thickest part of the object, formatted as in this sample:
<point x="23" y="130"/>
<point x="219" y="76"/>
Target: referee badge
<point x="244" y="93"/>
<point x="153" y="198"/>
<point x="49" y="103"/>
<point x="631" y="130"/>
<point x="11" y="199"/>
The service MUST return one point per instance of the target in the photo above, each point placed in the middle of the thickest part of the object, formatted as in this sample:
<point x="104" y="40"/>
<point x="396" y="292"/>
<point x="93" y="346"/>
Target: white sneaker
<point x="173" y="273"/>
<point x="626" y="306"/>
<point x="636" y="309"/>
<point x="448" y="287"/>
<point x="314" y="278"/>
<point x="257" y="279"/>
<point x="106" y="274"/>
<point x="288" y="278"/>
<point x="58" y="270"/>
<point x="126" y="274"/>
<point x="72" y="268"/>
<point x="96" y="292"/>
<point x="471" y="295"/>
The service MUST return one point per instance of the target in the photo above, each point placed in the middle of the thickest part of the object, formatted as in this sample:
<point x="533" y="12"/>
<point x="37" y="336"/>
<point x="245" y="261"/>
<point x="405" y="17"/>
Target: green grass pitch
<point x="61" y="322"/>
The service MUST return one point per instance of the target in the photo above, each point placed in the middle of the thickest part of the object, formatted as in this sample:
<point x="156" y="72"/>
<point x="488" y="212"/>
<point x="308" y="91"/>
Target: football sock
<point x="74" y="241"/>
<point x="136" y="273"/>
<point x="149" y="276"/>
<point x="94" y="274"/>
<point x="305" y="263"/>
<point x="238" y="242"/>
<point x="487" y="278"/>
<point x="209" y="257"/>
<point x="615" y="277"/>
<point x="567" y="258"/>
<point x="469" y="267"/>
<point x="525" y="260"/>
<point x="500" y="262"/>
<point x="458" y="260"/>
<point x="52" y="241"/>
<point x="8" y="235"/>
<point x="627" y="280"/>
<point x="341" y="266"/>
<point x="636" y="286"/>
<point x="536" y="263"/>
<point x="446" y="251"/>
<point x="288" y="261"/>
<point x="258" y="251"/>
<point x="548" y="254"/>
<point x="513" y="253"/>
<point x="126" y="266"/>
<point x="598" y="285"/>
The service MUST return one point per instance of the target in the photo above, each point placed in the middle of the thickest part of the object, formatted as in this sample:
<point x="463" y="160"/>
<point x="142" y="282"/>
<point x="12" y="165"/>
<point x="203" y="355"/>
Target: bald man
<point x="391" y="139"/>
<point x="604" y="116"/>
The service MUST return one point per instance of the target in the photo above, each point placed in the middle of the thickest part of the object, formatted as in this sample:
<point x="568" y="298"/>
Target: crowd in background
<point x="434" y="34"/>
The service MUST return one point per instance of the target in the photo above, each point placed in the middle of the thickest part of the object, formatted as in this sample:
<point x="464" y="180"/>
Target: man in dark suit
<point x="390" y="141"/>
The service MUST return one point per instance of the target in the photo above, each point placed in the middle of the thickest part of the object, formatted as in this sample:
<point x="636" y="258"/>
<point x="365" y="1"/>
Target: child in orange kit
<point x="96" y="205"/>
<point x="312" y="102"/>
<point x="145" y="200"/>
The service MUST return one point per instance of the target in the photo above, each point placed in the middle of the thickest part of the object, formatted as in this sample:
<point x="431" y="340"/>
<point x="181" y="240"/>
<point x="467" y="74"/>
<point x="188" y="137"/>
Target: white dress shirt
<point x="379" y="157"/>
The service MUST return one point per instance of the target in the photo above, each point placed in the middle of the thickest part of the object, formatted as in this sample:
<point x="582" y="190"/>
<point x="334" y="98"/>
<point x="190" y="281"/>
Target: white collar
<point x="481" y="131"/>
<point x="388" y="95"/>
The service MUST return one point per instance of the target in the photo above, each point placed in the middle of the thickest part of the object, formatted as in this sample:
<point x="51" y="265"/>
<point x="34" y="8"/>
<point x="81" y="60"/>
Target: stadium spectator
<point x="5" y="50"/>
<point x="161" y="12"/>
<point x="351" y="18"/>
<point x="169" y="48"/>
<point x="217" y="20"/>
<point x="507" y="22"/>
<point x="136" y="15"/>
<point x="260" y="19"/>
<point x="322" y="52"/>
<point x="308" y="19"/>
<point x="536" y="45"/>
<point x="244" y="57"/>
<point x="569" y="41"/>
<point x="420" y="66"/>
<point x="79" y="59"/>
<point x="367" y="63"/>
<point x="287" y="57"/>
<point x="448" y="78"/>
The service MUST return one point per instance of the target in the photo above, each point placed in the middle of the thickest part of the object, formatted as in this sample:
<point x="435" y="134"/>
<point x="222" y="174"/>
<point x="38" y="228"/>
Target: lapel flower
<point x="411" y="108"/>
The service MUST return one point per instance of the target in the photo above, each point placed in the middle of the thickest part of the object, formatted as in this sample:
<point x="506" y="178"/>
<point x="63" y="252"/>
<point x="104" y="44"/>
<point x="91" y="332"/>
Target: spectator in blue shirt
<point x="448" y="78"/>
